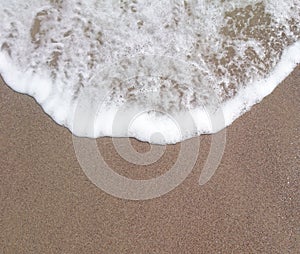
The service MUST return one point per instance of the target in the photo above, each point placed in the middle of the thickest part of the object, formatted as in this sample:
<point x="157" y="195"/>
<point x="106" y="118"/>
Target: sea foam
<point x="160" y="71"/>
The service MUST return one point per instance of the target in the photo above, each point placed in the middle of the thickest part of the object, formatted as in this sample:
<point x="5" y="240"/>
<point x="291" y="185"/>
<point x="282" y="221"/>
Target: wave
<point x="159" y="71"/>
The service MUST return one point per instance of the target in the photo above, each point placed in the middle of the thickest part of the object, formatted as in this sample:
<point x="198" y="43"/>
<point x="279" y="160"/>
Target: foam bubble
<point x="139" y="68"/>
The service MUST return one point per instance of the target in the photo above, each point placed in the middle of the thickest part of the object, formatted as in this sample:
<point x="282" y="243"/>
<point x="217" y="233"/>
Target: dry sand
<point x="251" y="205"/>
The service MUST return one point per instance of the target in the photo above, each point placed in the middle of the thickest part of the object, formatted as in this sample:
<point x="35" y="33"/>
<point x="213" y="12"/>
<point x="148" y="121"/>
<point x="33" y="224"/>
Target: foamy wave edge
<point x="62" y="109"/>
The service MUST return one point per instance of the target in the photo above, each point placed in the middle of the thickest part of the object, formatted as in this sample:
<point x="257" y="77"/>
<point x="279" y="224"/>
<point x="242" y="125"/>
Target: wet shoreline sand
<point x="251" y="204"/>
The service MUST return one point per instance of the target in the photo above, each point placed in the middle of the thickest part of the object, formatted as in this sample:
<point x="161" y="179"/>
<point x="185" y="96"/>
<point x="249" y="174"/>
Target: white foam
<point x="92" y="110"/>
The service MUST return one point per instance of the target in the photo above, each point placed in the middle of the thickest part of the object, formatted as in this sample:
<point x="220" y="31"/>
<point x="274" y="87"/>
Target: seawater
<point x="161" y="71"/>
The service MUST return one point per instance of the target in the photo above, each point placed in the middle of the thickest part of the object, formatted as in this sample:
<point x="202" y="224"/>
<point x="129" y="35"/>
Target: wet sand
<point x="251" y="205"/>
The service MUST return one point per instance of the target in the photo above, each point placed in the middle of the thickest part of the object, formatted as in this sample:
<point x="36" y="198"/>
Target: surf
<point x="159" y="71"/>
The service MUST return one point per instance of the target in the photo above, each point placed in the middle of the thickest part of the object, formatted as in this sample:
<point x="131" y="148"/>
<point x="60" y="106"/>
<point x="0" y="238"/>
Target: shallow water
<point x="138" y="68"/>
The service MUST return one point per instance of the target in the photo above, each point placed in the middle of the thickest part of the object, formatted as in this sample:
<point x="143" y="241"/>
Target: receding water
<point x="136" y="68"/>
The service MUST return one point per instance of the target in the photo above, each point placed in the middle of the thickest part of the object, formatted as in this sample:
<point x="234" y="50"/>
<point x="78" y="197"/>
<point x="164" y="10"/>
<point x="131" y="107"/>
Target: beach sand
<point x="251" y="204"/>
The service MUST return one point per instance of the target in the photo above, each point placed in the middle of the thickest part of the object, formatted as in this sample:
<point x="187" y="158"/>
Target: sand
<point x="251" y="204"/>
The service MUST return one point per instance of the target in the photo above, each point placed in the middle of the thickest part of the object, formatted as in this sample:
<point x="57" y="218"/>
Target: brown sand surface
<point x="251" y="205"/>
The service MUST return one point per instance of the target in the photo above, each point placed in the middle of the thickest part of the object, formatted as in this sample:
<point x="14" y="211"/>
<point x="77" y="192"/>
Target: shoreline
<point x="249" y="206"/>
<point x="229" y="112"/>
